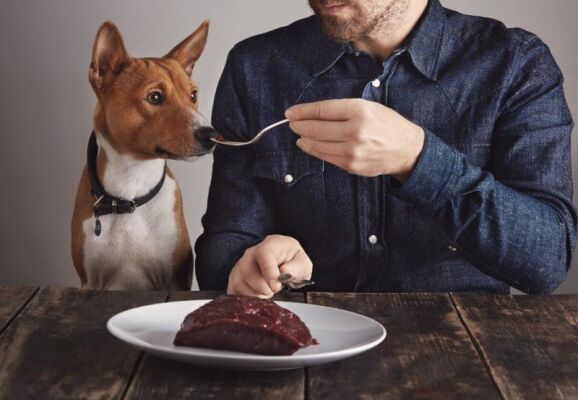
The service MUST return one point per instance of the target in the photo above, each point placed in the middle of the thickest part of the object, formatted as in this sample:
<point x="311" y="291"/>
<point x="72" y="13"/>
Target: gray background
<point x="46" y="103"/>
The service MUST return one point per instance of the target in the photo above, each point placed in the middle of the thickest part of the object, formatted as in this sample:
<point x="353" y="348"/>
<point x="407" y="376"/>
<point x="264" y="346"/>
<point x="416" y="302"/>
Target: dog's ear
<point x="108" y="56"/>
<point x="189" y="50"/>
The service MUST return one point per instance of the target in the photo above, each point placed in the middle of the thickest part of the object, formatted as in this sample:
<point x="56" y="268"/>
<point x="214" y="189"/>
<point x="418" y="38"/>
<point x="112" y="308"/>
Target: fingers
<point x="260" y="286"/>
<point x="326" y="110"/>
<point x="332" y="131"/>
<point x="257" y="271"/>
<point x="318" y="148"/>
<point x="267" y="260"/>
<point x="246" y="277"/>
<point x="328" y="152"/>
<point x="242" y="288"/>
<point x="300" y="266"/>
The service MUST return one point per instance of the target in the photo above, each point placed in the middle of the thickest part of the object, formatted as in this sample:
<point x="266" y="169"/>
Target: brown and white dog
<point x="128" y="227"/>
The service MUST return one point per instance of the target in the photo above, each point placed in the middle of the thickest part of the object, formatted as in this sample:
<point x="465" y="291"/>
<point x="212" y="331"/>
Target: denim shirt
<point x="488" y="205"/>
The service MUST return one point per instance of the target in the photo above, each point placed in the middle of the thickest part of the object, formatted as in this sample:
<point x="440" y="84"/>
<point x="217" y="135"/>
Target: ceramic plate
<point x="340" y="333"/>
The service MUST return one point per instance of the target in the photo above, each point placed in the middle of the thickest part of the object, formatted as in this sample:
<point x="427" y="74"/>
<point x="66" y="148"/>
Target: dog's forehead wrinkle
<point x="147" y="70"/>
<point x="133" y="74"/>
<point x="177" y="73"/>
<point x="138" y="73"/>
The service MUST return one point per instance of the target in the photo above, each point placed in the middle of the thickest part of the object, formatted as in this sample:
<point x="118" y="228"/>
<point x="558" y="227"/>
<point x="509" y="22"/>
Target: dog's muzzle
<point x="203" y="131"/>
<point x="203" y="134"/>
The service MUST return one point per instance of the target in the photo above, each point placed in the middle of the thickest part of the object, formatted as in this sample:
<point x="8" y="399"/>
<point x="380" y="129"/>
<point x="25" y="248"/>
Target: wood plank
<point x="530" y="343"/>
<point x="59" y="346"/>
<point x="164" y="379"/>
<point x="570" y="303"/>
<point x="427" y="353"/>
<point x="12" y="300"/>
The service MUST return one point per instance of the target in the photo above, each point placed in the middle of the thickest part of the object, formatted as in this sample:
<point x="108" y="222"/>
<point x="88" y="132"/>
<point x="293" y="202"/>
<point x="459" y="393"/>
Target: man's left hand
<point x="360" y="136"/>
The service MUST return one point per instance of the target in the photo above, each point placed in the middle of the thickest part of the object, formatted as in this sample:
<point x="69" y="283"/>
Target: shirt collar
<point x="425" y="41"/>
<point x="329" y="51"/>
<point x="423" y="44"/>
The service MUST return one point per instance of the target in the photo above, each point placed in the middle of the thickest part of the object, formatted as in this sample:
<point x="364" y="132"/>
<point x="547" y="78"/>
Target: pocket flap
<point x="286" y="167"/>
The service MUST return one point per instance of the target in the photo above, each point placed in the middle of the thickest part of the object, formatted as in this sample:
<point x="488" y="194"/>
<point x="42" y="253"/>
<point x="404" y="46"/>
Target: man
<point x="428" y="151"/>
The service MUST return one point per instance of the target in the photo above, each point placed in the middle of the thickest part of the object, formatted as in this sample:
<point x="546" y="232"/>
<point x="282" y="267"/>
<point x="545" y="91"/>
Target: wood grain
<point x="55" y="345"/>
<point x="426" y="355"/>
<point x="12" y="299"/>
<point x="530" y="343"/>
<point x="59" y="348"/>
<point x="164" y="379"/>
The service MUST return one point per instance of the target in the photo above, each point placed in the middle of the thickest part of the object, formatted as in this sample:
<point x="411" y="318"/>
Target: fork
<point x="252" y="141"/>
<point x="290" y="282"/>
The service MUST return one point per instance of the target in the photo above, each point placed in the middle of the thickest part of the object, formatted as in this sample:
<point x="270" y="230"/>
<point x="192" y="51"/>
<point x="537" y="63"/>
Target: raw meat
<point x="245" y="324"/>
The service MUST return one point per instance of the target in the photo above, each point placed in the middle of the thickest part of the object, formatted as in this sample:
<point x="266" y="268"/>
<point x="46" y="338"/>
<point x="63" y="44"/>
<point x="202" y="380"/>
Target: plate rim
<point x="239" y="356"/>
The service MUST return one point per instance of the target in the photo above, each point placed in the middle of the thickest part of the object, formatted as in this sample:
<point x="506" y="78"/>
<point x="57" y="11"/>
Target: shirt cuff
<point x="429" y="185"/>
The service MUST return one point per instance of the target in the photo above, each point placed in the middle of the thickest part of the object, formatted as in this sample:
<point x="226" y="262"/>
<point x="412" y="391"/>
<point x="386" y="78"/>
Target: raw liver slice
<point x="245" y="324"/>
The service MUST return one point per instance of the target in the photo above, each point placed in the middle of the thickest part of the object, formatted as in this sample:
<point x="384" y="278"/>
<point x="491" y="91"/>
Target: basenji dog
<point x="128" y="228"/>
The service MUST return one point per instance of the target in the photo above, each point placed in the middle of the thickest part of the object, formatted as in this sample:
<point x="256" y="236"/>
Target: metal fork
<point x="290" y="282"/>
<point x="252" y="141"/>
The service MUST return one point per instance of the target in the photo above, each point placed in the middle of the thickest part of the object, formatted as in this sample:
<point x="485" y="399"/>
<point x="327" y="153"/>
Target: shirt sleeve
<point x="239" y="211"/>
<point x="514" y="221"/>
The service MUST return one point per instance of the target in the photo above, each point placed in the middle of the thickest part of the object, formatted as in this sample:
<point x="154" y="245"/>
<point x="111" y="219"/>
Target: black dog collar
<point x="106" y="203"/>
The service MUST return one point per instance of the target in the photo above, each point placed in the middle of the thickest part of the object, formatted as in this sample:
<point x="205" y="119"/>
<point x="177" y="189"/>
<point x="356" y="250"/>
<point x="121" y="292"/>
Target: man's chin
<point x="337" y="28"/>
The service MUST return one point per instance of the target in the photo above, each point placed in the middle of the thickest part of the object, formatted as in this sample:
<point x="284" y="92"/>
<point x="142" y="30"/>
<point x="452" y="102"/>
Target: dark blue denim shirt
<point x="488" y="205"/>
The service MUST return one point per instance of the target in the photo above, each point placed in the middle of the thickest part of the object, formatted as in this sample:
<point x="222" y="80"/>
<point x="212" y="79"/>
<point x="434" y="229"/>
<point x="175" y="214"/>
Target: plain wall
<point x="46" y="103"/>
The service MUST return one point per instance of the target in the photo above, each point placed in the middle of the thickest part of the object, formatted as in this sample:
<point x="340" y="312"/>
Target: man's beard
<point x="363" y="23"/>
<point x="346" y="31"/>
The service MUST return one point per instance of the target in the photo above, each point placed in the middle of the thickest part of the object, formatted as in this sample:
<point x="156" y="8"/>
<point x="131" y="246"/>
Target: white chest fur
<point x="133" y="250"/>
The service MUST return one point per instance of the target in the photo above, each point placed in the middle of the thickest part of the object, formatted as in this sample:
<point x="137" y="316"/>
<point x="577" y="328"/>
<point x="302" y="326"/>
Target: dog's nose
<point x="204" y="134"/>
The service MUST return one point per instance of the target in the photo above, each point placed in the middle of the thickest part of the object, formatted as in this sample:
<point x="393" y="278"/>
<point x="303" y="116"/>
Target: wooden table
<point x="54" y="344"/>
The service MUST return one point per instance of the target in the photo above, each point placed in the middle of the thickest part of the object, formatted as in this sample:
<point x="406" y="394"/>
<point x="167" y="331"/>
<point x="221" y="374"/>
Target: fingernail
<point x="302" y="144"/>
<point x="289" y="113"/>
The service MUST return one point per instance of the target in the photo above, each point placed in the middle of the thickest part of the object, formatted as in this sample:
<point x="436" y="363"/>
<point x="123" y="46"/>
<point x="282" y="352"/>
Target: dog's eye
<point x="194" y="96"/>
<point x="155" y="98"/>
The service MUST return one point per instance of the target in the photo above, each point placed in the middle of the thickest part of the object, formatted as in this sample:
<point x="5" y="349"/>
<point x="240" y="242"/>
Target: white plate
<point x="340" y="333"/>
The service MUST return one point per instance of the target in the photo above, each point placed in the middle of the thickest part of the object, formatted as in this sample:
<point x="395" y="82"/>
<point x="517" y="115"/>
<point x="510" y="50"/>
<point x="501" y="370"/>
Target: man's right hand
<point x="257" y="271"/>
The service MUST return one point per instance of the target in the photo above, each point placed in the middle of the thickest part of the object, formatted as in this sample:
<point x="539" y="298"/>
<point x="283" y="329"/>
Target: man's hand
<point x="257" y="271"/>
<point x="360" y="136"/>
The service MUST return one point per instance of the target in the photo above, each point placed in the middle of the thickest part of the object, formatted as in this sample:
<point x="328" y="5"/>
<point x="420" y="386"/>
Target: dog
<point x="128" y="228"/>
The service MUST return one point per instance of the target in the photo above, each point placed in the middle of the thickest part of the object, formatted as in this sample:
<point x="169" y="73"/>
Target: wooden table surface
<point x="54" y="344"/>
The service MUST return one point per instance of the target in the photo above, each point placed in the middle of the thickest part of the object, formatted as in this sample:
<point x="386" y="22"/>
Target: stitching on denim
<point x="264" y="154"/>
<point x="510" y="79"/>
<point x="304" y="89"/>
<point x="506" y="82"/>
<point x="439" y="47"/>
<point x="447" y="190"/>
<point x="447" y="97"/>
<point x="466" y="224"/>
<point x="317" y="75"/>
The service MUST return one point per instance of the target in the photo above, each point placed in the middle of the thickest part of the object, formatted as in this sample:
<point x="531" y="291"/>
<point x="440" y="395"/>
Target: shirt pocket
<point x="296" y="182"/>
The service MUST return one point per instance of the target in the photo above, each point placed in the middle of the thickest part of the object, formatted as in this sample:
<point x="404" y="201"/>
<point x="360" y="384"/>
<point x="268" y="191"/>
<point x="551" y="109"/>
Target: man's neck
<point x="383" y="42"/>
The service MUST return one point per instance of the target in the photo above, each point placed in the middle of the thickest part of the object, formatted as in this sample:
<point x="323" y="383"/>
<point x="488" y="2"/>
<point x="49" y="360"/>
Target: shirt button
<point x="376" y="83"/>
<point x="452" y="248"/>
<point x="372" y="239"/>
<point x="288" y="178"/>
